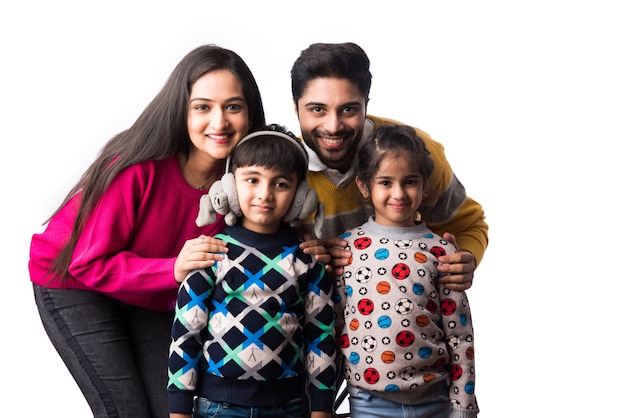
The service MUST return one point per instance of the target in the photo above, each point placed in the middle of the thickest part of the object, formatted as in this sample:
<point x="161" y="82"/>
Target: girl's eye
<point x="252" y="180"/>
<point x="201" y="107"/>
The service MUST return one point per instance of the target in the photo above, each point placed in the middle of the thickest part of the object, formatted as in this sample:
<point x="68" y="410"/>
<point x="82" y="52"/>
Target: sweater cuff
<point x="321" y="400"/>
<point x="473" y="246"/>
<point x="180" y="401"/>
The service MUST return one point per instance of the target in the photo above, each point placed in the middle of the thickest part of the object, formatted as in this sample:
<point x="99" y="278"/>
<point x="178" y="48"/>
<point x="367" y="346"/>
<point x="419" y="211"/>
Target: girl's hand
<point x="198" y="253"/>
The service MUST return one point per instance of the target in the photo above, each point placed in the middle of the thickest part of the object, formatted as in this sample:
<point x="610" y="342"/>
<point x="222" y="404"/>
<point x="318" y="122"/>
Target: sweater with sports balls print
<point x="403" y="335"/>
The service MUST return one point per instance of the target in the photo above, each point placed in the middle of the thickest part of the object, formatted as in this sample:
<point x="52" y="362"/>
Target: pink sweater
<point x="130" y="241"/>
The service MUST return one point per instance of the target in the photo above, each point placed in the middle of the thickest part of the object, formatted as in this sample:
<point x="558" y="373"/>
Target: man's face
<point x="332" y="115"/>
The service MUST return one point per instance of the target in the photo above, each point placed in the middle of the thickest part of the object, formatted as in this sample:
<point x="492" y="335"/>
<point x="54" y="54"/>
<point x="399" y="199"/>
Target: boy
<point x="254" y="332"/>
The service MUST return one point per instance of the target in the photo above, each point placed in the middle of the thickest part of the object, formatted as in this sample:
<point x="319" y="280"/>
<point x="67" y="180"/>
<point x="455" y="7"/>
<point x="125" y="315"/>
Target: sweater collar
<point x="285" y="236"/>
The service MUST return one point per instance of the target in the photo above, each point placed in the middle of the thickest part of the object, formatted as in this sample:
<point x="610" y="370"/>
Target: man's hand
<point x="339" y="257"/>
<point x="316" y="247"/>
<point x="458" y="268"/>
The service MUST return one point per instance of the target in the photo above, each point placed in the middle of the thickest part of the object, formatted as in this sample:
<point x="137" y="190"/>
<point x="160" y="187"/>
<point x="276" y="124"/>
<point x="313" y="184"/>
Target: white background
<point x="529" y="99"/>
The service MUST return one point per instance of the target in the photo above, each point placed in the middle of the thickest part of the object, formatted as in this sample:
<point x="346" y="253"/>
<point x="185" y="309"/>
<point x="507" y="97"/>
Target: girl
<point x="406" y="340"/>
<point x="107" y="267"/>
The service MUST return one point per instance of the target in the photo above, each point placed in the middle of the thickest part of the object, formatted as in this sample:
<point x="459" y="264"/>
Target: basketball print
<point x="381" y="254"/>
<point x="388" y="357"/>
<point x="383" y="287"/>
<point x="420" y="257"/>
<point x="384" y="322"/>
<point x="354" y="324"/>
<point x="422" y="320"/>
<point x="429" y="377"/>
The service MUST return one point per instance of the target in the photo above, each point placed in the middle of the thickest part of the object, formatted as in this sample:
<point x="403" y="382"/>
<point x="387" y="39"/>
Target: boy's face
<point x="265" y="196"/>
<point x="332" y="116"/>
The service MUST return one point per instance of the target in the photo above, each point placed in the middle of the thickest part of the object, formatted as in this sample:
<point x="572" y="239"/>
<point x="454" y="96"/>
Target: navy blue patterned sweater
<point x="255" y="329"/>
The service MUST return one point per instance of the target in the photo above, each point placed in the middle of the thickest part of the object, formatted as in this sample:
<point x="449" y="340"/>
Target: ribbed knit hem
<point x="180" y="401"/>
<point x="463" y="413"/>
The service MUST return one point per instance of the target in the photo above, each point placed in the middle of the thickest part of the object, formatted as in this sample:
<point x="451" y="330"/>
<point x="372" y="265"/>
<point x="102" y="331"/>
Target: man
<point x="330" y="85"/>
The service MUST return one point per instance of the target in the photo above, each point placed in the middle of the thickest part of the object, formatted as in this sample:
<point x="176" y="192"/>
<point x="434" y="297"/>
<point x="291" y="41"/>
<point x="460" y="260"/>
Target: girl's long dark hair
<point x="158" y="133"/>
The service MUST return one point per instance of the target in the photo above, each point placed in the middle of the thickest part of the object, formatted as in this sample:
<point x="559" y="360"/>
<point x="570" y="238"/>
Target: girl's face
<point x="217" y="114"/>
<point x="265" y="196"/>
<point x="396" y="191"/>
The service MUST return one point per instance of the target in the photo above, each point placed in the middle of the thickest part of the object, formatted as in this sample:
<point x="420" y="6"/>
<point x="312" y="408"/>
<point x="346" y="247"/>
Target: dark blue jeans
<point x="203" y="408"/>
<point x="116" y="353"/>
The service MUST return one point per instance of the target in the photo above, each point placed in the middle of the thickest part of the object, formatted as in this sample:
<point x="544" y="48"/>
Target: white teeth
<point x="217" y="136"/>
<point x="332" y="141"/>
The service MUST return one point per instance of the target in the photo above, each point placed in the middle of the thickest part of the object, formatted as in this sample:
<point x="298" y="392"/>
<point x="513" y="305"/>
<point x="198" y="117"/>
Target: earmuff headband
<point x="269" y="133"/>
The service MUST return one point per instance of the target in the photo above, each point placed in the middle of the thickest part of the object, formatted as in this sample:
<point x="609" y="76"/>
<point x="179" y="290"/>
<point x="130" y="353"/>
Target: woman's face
<point x="217" y="116"/>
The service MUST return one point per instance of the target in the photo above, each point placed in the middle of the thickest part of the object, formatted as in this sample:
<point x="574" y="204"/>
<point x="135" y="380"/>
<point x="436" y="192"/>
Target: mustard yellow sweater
<point x="447" y="208"/>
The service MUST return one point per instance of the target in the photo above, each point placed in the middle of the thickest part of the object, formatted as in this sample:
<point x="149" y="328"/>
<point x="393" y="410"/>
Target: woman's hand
<point x="198" y="253"/>
<point x="458" y="268"/>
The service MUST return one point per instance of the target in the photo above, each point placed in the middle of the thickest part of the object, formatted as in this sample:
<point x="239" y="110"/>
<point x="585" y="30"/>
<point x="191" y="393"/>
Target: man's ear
<point x="295" y="107"/>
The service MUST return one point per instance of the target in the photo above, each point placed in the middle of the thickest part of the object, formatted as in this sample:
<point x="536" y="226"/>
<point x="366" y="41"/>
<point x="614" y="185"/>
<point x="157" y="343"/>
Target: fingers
<point x="457" y="270"/>
<point x="336" y="242"/>
<point x="451" y="239"/>
<point x="198" y="253"/>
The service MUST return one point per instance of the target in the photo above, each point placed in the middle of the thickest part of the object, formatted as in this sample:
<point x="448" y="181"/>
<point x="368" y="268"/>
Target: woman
<point x="107" y="267"/>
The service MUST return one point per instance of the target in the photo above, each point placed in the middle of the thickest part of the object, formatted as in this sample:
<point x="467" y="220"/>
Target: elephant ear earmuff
<point x="230" y="191"/>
